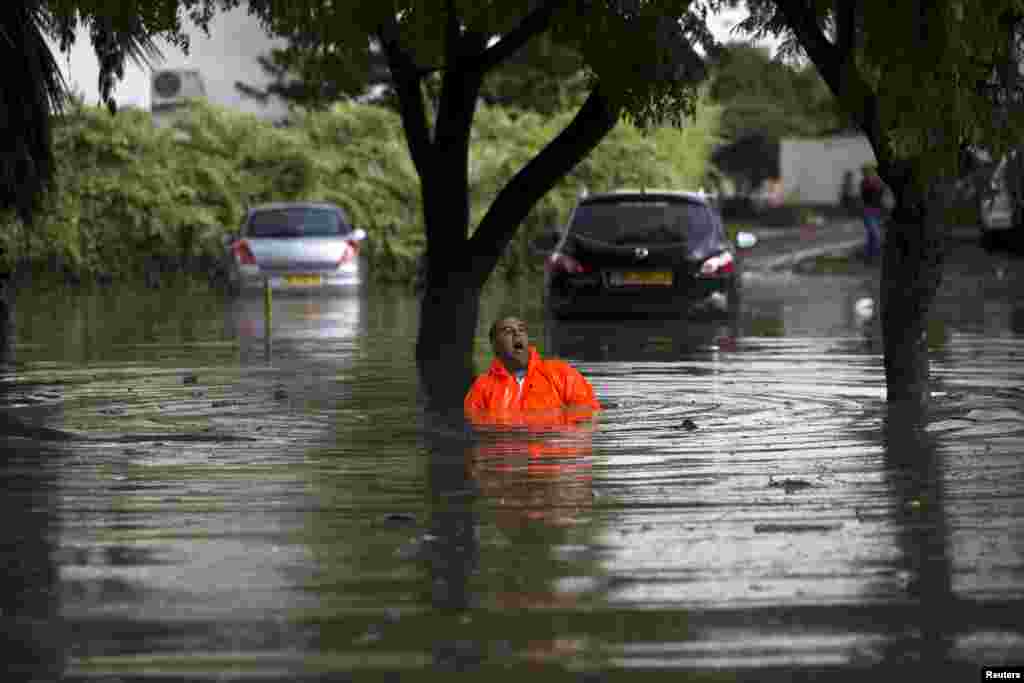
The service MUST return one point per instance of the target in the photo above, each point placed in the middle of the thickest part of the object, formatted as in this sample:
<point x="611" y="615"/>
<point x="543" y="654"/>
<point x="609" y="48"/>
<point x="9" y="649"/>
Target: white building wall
<point x="812" y="168"/>
<point x="226" y="55"/>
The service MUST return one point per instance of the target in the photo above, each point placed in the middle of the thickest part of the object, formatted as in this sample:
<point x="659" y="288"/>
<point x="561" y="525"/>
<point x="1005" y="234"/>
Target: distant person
<point x="872" y="192"/>
<point x="522" y="388"/>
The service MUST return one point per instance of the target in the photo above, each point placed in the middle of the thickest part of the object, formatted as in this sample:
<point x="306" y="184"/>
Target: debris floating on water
<point x="789" y="485"/>
<point x="864" y="308"/>
<point x="687" y="424"/>
<point x="769" y="528"/>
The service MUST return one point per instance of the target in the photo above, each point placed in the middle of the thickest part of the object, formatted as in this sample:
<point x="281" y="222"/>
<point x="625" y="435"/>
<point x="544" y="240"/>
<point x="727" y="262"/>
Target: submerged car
<point x="643" y="253"/>
<point x="301" y="246"/>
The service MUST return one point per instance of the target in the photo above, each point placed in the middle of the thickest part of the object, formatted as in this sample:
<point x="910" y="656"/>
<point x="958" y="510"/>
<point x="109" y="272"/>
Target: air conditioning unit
<point x="171" y="88"/>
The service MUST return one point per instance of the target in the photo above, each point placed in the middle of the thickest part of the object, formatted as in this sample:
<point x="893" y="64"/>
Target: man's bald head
<point x="510" y="342"/>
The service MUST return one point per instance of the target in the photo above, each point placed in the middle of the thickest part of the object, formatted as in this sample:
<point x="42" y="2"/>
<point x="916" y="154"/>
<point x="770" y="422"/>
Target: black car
<point x="643" y="253"/>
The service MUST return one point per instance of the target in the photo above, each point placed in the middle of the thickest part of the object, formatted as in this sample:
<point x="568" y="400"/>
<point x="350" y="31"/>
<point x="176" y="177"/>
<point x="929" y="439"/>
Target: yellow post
<point x="266" y="308"/>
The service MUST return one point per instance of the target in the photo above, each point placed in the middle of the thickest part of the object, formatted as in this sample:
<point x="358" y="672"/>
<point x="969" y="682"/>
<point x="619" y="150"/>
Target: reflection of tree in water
<point x="914" y="470"/>
<point x="29" y="601"/>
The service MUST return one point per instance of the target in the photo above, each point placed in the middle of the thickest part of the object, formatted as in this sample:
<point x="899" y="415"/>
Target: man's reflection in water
<point x="914" y="470"/>
<point x="537" y="483"/>
<point x="535" y="477"/>
<point x="536" y="474"/>
<point x="31" y="640"/>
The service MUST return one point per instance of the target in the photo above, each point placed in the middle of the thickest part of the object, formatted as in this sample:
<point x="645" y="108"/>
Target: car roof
<point x="645" y="194"/>
<point x="270" y="206"/>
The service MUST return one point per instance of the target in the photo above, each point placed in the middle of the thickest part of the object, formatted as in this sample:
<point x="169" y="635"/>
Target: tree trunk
<point x="912" y="261"/>
<point x="450" y="304"/>
<point x="449" y="312"/>
<point x="6" y="318"/>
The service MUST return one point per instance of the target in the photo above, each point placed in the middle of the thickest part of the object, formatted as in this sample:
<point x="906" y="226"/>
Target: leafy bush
<point x="131" y="196"/>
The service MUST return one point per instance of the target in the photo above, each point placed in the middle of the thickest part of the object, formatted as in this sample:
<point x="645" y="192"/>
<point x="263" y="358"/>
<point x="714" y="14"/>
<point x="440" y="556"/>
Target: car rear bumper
<point x="712" y="297"/>
<point x="347" y="278"/>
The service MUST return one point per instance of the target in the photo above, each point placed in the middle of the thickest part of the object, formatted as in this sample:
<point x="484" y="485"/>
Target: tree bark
<point x="449" y="312"/>
<point x="449" y="309"/>
<point x="912" y="262"/>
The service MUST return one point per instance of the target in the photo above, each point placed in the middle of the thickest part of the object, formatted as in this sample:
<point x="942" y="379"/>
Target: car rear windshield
<point x="648" y="222"/>
<point x="297" y="222"/>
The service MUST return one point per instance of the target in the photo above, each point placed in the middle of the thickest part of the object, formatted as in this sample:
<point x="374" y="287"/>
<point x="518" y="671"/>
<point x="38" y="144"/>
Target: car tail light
<point x="350" y="251"/>
<point x="243" y="253"/>
<point x="726" y="342"/>
<point x="722" y="264"/>
<point x="563" y="263"/>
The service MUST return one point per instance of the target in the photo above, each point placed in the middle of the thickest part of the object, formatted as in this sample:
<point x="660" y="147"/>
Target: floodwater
<point x="745" y="506"/>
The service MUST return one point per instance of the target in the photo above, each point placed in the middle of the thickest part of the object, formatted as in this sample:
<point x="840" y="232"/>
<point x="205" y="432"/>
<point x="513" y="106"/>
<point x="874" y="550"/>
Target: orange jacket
<point x="550" y="387"/>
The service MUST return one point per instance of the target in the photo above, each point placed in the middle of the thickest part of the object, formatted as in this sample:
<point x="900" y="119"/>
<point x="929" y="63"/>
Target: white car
<point x="299" y="246"/>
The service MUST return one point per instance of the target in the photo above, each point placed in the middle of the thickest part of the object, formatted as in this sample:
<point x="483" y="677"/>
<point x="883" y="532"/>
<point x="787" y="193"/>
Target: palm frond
<point x="31" y="91"/>
<point x="116" y="41"/>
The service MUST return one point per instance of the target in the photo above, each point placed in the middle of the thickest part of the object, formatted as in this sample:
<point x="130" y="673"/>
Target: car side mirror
<point x="358" y="235"/>
<point x="545" y="243"/>
<point x="745" y="240"/>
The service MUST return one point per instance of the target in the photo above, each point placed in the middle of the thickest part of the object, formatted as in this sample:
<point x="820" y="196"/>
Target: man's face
<point x="511" y="344"/>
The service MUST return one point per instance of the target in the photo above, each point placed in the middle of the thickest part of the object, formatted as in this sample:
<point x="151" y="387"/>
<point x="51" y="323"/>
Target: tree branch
<point x="534" y="23"/>
<point x="846" y="27"/>
<point x="838" y="67"/>
<point x="822" y="52"/>
<point x="406" y="78"/>
<point x="594" y="120"/>
<point x="460" y="86"/>
<point x="453" y="33"/>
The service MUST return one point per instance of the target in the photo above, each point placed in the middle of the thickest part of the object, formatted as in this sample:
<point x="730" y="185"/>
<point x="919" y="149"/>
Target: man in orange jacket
<point x="522" y="388"/>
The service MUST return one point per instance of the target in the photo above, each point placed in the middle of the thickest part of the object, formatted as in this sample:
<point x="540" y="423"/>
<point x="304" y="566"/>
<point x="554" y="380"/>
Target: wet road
<point x="746" y="506"/>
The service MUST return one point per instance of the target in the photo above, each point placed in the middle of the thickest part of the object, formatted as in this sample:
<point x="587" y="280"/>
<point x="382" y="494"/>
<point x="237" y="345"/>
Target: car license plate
<point x="656" y="278"/>
<point x="302" y="280"/>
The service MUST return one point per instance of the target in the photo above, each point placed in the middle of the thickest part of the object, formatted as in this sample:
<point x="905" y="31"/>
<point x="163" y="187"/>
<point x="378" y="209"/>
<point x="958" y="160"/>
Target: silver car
<point x="300" y="246"/>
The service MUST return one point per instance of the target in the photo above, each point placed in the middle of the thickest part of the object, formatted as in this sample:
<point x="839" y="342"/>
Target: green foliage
<point x="130" y="195"/>
<point x="765" y="96"/>
<point x="640" y="50"/>
<point x="942" y="75"/>
<point x="544" y="76"/>
<point x="763" y="100"/>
